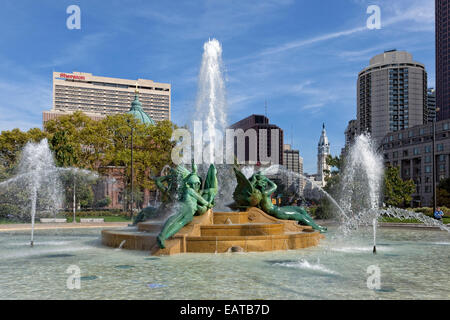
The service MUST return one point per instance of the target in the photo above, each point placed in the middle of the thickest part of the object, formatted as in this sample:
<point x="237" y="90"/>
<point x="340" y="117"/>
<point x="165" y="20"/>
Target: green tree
<point x="63" y="150"/>
<point x="443" y="193"/>
<point x="332" y="176"/>
<point x="69" y="132"/>
<point x="396" y="191"/>
<point x="11" y="144"/>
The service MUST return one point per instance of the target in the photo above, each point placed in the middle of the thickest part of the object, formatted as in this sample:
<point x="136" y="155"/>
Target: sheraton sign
<point x="71" y="76"/>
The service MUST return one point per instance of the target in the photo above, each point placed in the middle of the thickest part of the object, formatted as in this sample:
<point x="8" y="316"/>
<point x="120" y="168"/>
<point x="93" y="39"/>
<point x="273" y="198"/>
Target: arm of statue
<point x="159" y="181"/>
<point x="198" y="197"/>
<point x="272" y="187"/>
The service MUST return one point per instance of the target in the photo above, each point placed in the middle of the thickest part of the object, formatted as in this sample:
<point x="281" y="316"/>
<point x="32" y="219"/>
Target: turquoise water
<point x="413" y="264"/>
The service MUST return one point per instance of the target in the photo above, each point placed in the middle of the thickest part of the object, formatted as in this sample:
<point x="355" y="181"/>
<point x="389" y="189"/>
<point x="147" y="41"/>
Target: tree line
<point x="80" y="142"/>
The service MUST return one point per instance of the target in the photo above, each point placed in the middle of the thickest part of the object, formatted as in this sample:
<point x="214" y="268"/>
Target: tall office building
<point x="102" y="96"/>
<point x="293" y="162"/>
<point x="323" y="151"/>
<point x="263" y="144"/>
<point x="351" y="133"/>
<point x="442" y="8"/>
<point x="411" y="150"/>
<point x="431" y="104"/>
<point x="391" y="94"/>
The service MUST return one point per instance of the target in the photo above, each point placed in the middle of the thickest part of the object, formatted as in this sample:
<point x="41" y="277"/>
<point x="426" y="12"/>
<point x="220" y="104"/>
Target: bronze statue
<point x="193" y="201"/>
<point x="256" y="192"/>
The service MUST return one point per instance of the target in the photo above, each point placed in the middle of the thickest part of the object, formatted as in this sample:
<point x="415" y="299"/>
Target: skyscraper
<point x="262" y="144"/>
<point x="98" y="97"/>
<point x="293" y="162"/>
<point x="442" y="8"/>
<point x="391" y="94"/>
<point x="431" y="104"/>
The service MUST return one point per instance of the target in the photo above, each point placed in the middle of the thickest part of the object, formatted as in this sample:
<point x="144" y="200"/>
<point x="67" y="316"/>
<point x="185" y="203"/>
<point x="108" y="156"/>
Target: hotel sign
<point x="71" y="76"/>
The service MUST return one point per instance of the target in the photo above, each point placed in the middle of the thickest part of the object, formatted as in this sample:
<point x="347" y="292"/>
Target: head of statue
<point x="193" y="181"/>
<point x="261" y="181"/>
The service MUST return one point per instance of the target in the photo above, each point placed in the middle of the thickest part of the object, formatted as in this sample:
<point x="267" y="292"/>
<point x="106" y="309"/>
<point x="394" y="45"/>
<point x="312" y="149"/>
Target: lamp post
<point x="132" y="178"/>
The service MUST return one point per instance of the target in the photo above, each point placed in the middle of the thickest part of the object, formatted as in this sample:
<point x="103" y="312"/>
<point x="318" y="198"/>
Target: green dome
<point x="139" y="113"/>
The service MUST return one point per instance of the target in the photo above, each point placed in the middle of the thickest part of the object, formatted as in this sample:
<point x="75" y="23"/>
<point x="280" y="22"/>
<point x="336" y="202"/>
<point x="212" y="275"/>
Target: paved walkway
<point x="385" y="225"/>
<point x="49" y="226"/>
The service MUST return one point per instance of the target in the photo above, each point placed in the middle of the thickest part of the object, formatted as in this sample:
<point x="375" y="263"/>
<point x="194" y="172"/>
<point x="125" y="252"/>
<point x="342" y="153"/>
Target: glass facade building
<point x="442" y="59"/>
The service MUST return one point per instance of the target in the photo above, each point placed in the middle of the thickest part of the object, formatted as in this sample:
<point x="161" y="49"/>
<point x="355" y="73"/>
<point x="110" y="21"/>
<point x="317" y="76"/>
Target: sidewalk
<point x="327" y="223"/>
<point x="70" y="225"/>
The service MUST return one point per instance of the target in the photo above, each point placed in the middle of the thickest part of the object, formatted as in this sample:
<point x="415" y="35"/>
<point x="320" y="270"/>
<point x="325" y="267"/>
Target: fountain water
<point x="363" y="167"/>
<point x="211" y="110"/>
<point x="361" y="190"/>
<point x="37" y="175"/>
<point x="211" y="103"/>
<point x="37" y="185"/>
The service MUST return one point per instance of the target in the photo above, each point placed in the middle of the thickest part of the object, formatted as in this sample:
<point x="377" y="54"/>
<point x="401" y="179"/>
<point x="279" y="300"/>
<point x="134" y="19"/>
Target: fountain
<point x="211" y="103"/>
<point x="38" y="177"/>
<point x="191" y="233"/>
<point x="412" y="261"/>
<point x="36" y="187"/>
<point x="360" y="195"/>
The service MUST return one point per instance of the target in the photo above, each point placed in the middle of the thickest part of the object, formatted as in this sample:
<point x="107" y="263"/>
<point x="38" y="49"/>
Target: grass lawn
<point x="6" y="221"/>
<point x="397" y="220"/>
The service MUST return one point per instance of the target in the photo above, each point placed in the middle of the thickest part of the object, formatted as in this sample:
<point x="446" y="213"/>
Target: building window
<point x="440" y="147"/>
<point x="416" y="151"/>
<point x="427" y="169"/>
<point x="442" y="167"/>
<point x="427" y="149"/>
<point x="395" y="154"/>
<point x="427" y="159"/>
<point x="427" y="189"/>
<point x="410" y="134"/>
<point x="442" y="157"/>
<point x="405" y="153"/>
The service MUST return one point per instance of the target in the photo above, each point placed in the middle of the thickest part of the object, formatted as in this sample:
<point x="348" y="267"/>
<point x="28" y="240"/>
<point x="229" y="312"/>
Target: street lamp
<point x="131" y="215"/>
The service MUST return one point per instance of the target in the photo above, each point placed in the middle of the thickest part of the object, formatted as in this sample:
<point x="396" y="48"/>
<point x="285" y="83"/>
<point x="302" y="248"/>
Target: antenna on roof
<point x="265" y="108"/>
<point x="292" y="136"/>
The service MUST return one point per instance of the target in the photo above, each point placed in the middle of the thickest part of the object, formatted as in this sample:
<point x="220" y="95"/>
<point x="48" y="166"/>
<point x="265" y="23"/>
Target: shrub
<point x="103" y="203"/>
<point x="429" y="211"/>
<point x="325" y="210"/>
<point x="96" y="213"/>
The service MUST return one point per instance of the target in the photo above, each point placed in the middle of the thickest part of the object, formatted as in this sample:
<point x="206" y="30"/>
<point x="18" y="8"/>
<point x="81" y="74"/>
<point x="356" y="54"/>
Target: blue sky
<point x="301" y="56"/>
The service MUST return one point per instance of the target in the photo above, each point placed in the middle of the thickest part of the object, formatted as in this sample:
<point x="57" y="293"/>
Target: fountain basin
<point x="255" y="232"/>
